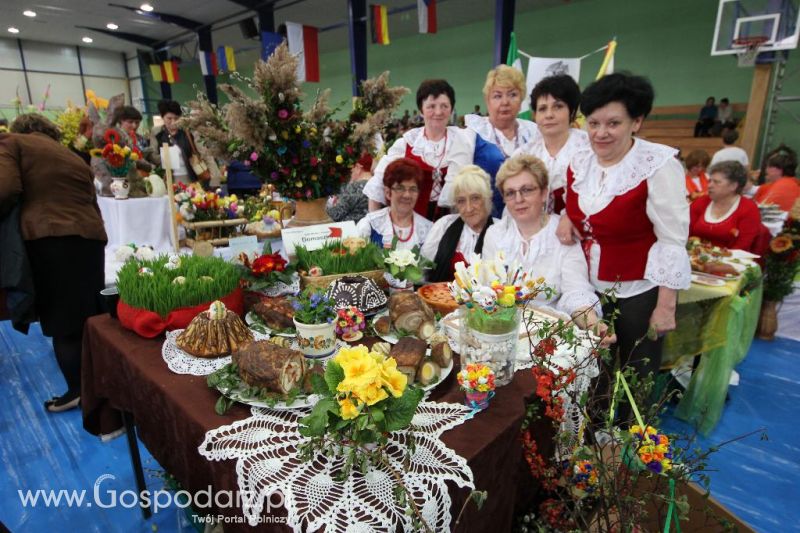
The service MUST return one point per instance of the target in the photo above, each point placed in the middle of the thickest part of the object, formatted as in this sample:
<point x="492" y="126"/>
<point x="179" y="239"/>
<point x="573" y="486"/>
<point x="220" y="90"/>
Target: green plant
<point x="335" y="258"/>
<point x="405" y="265"/>
<point x="782" y="262"/>
<point x="312" y="307"/>
<point x="155" y="286"/>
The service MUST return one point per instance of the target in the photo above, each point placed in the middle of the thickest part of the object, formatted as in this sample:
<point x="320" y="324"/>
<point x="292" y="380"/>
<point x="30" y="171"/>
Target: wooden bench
<point x="674" y="126"/>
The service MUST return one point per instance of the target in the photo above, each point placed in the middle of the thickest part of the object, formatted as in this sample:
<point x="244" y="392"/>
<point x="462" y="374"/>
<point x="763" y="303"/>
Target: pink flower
<point x="283" y="114"/>
<point x="314" y="161"/>
<point x="254" y="156"/>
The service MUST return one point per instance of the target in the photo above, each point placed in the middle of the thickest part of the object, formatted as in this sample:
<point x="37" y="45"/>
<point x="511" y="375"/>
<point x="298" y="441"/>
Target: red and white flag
<point x="426" y="12"/>
<point x="303" y="42"/>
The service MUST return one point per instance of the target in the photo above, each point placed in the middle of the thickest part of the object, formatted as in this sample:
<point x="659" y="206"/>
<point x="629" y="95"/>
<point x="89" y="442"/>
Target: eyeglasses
<point x="526" y="192"/>
<point x="402" y="190"/>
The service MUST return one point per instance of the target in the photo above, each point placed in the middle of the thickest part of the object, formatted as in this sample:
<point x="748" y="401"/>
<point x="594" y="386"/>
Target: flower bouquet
<point x="648" y="449"/>
<point x="477" y="381"/>
<point x="118" y="159"/>
<point x="364" y="397"/>
<point x="260" y="272"/>
<point x="404" y="266"/>
<point x="350" y="324"/>
<point x="313" y="317"/>
<point x="782" y="262"/>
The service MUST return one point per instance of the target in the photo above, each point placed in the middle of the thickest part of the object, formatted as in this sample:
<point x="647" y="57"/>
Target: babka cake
<point x="214" y="333"/>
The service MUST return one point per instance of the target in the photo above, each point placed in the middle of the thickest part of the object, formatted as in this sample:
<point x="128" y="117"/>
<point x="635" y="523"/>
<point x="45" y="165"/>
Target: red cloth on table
<point x="738" y="231"/>
<point x="149" y="324"/>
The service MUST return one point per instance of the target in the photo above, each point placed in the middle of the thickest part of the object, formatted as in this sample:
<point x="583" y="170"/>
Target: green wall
<point x="668" y="41"/>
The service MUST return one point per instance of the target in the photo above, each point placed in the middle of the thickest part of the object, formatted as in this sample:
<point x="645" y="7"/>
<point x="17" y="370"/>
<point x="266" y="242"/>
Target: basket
<point x="211" y="231"/>
<point x="322" y="282"/>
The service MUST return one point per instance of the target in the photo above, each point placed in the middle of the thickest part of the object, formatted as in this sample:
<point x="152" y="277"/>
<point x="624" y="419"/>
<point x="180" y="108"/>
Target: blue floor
<point x="754" y="478"/>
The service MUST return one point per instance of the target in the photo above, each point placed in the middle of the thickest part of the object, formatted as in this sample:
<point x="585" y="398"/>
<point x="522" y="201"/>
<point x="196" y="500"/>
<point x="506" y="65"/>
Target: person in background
<point x="181" y="147"/>
<point x="696" y="179"/>
<point x="241" y="181"/>
<point x="555" y="101"/>
<point x="724" y="217"/>
<point x="64" y="238"/>
<point x="128" y="118"/>
<point x="731" y="152"/>
<point x="350" y="203"/>
<point x="725" y="120"/>
<point x="477" y="110"/>
<point x="781" y="186"/>
<point x="708" y="115"/>
<point x="402" y="182"/>
<point x="439" y="149"/>
<point x="455" y="237"/>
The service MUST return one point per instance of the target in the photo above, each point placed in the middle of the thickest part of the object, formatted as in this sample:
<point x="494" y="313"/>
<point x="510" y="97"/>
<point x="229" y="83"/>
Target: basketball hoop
<point x="747" y="49"/>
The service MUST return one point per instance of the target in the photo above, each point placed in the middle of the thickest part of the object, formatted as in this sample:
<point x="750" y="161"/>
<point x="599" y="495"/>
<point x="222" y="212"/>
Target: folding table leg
<point x="136" y="460"/>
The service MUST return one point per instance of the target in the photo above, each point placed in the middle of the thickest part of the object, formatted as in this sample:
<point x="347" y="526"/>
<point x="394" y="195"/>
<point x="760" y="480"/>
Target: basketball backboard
<point x="776" y="20"/>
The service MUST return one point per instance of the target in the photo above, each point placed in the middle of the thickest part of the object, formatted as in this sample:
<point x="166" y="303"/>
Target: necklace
<point x="394" y="231"/>
<point x="437" y="173"/>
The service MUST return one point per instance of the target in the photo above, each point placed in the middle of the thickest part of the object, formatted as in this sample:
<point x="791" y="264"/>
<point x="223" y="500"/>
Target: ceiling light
<point x="29" y="13"/>
<point x="12" y="29"/>
<point x="112" y="26"/>
<point x="87" y="40"/>
<point x="146" y="7"/>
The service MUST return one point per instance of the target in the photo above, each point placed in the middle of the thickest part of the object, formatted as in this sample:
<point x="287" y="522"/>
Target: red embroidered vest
<point x="422" y="206"/>
<point x="622" y="229"/>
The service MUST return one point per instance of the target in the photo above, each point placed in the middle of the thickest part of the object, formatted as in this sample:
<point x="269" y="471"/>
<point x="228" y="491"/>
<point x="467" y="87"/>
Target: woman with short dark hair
<point x="402" y="184"/>
<point x="554" y="103"/>
<point x="440" y="151"/>
<point x="724" y="217"/>
<point x="181" y="147"/>
<point x="781" y="186"/>
<point x="626" y="201"/>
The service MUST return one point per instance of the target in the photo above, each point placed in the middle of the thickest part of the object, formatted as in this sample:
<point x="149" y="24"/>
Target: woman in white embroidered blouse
<point x="527" y="235"/>
<point x="504" y="91"/>
<point x="554" y="102"/>
<point x="401" y="181"/>
<point x="454" y="238"/>
<point x="625" y="199"/>
<point x="439" y="149"/>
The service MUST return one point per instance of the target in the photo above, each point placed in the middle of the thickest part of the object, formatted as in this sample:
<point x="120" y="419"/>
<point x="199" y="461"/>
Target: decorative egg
<point x="173" y="262"/>
<point x="206" y="278"/>
<point x="145" y="271"/>
<point x="315" y="272"/>
<point x="217" y="310"/>
<point x="179" y="280"/>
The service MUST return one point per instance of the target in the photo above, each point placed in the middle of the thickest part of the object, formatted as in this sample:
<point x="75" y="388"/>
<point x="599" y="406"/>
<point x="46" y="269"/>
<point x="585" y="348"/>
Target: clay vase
<point x="768" y="320"/>
<point x="309" y="213"/>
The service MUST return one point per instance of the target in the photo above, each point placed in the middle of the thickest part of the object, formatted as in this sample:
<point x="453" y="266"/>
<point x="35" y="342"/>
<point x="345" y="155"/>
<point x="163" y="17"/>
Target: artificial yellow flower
<point x="285" y="134"/>
<point x="134" y="156"/>
<point x="313" y="177"/>
<point x="298" y="184"/>
<point x="348" y="409"/>
<point x="297" y="129"/>
<point x="339" y="159"/>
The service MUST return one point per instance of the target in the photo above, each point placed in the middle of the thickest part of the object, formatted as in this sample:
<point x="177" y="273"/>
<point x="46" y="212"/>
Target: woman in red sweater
<point x="724" y="217"/>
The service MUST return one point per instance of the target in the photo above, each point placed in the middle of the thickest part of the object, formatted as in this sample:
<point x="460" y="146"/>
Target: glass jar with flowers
<point x="314" y="314"/>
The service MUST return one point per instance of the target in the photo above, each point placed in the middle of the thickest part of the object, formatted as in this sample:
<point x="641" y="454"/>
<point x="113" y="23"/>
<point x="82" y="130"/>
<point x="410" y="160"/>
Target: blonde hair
<point x="473" y="179"/>
<point x="505" y="76"/>
<point x="514" y="166"/>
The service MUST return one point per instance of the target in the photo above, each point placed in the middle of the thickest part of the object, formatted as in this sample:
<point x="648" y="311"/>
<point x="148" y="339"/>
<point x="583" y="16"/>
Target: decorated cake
<point x="269" y="366"/>
<point x="359" y="292"/>
<point x="214" y="333"/>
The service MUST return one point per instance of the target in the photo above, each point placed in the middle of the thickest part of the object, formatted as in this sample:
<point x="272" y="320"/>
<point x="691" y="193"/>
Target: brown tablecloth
<point x="173" y="413"/>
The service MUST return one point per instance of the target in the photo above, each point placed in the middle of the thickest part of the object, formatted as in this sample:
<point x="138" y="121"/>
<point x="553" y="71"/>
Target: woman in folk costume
<point x="504" y="91"/>
<point x="554" y="103"/>
<point x="402" y="182"/>
<point x="455" y="237"/>
<point x="440" y="150"/>
<point x="625" y="200"/>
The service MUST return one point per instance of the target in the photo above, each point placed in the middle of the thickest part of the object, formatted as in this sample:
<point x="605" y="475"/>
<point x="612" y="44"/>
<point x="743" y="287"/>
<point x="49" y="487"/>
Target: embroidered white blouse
<point x="381" y="222"/>
<point x="563" y="267"/>
<point x="577" y="141"/>
<point x="466" y="243"/>
<point x="526" y="132"/>
<point x="667" y="260"/>
<point x="459" y="150"/>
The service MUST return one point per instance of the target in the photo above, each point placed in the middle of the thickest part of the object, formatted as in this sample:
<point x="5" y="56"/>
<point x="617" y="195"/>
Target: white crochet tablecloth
<point x="181" y="362"/>
<point x="265" y="449"/>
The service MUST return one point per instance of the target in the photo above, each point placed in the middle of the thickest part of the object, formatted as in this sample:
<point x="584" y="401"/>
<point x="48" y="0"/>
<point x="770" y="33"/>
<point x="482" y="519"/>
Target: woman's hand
<point x="662" y="320"/>
<point x="566" y="231"/>
<point x="587" y="319"/>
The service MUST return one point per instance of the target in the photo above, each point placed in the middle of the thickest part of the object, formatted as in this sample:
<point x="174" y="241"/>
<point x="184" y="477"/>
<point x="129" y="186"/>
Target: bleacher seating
<point x="674" y="126"/>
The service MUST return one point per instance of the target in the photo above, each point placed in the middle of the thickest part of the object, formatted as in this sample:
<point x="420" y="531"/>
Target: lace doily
<point x="281" y="289"/>
<point x="181" y="362"/>
<point x="265" y="449"/>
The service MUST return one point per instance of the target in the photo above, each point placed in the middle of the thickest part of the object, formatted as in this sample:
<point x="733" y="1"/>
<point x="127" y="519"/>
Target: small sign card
<point x="314" y="237"/>
<point x="248" y="244"/>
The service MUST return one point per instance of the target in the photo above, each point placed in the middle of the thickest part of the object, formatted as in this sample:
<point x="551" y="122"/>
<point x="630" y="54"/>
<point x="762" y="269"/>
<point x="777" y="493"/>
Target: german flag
<point x="380" y="24"/>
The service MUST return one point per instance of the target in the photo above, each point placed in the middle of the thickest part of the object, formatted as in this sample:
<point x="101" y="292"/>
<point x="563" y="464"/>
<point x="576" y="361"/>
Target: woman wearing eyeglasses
<point x="554" y="102"/>
<point x="626" y="202"/>
<point x="402" y="182"/>
<point x="455" y="237"/>
<point x="439" y="149"/>
<point x="528" y="235"/>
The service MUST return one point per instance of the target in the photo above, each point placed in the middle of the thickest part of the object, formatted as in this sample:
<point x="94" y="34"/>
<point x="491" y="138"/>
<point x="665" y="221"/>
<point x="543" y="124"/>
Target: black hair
<point x="786" y="161"/>
<point x="3" y="122"/>
<point x="169" y="106"/>
<point x="730" y="136"/>
<point x="127" y="113"/>
<point x="435" y="88"/>
<point x="561" y="87"/>
<point x="733" y="172"/>
<point x="724" y="101"/>
<point x="634" y="92"/>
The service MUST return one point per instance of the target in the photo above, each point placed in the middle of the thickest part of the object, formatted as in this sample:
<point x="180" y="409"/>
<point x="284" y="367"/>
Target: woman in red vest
<point x="696" y="179"/>
<point x="724" y="217"/>
<point x="626" y="203"/>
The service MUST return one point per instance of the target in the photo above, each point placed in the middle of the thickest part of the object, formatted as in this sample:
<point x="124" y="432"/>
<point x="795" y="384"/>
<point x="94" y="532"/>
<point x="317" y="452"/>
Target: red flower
<point x="545" y="347"/>
<point x="268" y="263"/>
<point x="111" y="137"/>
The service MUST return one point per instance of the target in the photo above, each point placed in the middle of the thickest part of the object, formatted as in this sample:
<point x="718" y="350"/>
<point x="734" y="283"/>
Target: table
<point x="719" y="323"/>
<point x="122" y="371"/>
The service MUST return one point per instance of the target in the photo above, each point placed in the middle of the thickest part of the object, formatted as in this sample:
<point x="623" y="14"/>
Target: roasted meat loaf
<point x="268" y="366"/>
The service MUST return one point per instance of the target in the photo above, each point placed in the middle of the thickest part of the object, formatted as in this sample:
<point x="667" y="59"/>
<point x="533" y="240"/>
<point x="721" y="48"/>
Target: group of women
<point x="587" y="210"/>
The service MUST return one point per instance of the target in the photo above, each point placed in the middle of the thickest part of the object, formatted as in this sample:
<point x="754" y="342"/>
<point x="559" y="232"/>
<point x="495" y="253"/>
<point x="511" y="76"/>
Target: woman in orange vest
<point x="696" y="180"/>
<point x="782" y="187"/>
